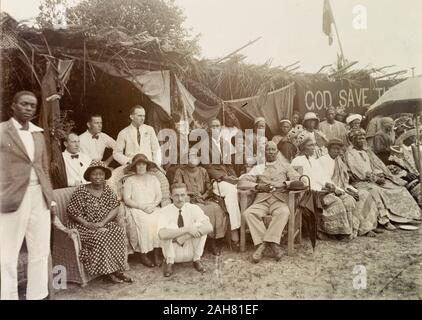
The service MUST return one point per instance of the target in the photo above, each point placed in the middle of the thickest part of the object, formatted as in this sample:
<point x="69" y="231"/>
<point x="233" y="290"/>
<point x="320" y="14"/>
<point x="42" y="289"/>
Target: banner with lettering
<point x="351" y="96"/>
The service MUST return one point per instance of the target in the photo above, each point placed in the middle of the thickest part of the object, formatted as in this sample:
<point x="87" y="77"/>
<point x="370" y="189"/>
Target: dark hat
<point x="140" y="157"/>
<point x="296" y="186"/>
<point x="335" y="141"/>
<point x="95" y="164"/>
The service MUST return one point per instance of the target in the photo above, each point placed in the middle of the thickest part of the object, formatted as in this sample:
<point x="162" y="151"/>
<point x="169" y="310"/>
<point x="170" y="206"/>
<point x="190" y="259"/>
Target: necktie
<point x="95" y="136"/>
<point x="74" y="156"/>
<point x="138" y="135"/>
<point x="180" y="223"/>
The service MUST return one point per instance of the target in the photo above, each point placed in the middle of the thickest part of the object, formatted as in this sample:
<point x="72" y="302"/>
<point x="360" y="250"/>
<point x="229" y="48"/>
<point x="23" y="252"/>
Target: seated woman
<point x="366" y="212"/>
<point x="337" y="215"/>
<point x="142" y="196"/>
<point x="92" y="210"/>
<point x="383" y="139"/>
<point x="401" y="165"/>
<point x="368" y="172"/>
<point x="199" y="189"/>
<point x="353" y="122"/>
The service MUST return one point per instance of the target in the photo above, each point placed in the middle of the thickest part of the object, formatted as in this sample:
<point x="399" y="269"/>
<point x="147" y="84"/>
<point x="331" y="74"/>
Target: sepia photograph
<point x="204" y="150"/>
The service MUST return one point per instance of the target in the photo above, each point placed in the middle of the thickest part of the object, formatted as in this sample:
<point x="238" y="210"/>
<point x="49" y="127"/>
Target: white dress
<point x="141" y="226"/>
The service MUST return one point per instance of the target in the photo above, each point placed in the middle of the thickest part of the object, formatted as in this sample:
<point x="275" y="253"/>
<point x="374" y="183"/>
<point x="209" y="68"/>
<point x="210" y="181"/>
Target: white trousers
<point x="229" y="192"/>
<point x="32" y="223"/>
<point x="191" y="250"/>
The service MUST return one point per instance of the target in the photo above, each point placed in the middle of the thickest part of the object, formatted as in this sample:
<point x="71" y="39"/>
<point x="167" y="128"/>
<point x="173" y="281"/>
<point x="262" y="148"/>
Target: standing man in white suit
<point x="26" y="200"/>
<point x="137" y="138"/>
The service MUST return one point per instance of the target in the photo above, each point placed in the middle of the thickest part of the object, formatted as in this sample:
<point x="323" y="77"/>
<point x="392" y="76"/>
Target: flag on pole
<point x="327" y="20"/>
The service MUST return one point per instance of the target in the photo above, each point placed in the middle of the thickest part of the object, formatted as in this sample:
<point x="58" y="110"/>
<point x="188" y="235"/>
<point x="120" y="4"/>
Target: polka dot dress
<point x="102" y="252"/>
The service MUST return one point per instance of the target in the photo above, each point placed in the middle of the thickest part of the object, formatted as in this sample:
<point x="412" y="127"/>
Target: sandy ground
<point x="393" y="263"/>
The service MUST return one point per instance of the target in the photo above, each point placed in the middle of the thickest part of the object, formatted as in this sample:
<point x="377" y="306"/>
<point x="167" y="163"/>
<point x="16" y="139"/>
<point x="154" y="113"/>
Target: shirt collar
<point x="32" y="127"/>
<point x="363" y="149"/>
<point x="273" y="163"/>
<point x="92" y="135"/>
<point x="178" y="208"/>
<point x="68" y="154"/>
<point x="135" y="128"/>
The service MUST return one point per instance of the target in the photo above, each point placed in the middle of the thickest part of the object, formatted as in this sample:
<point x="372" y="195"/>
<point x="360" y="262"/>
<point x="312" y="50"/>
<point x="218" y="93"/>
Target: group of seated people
<point x="172" y="211"/>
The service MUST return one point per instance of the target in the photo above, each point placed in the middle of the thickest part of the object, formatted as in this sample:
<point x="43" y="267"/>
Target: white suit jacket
<point x="127" y="144"/>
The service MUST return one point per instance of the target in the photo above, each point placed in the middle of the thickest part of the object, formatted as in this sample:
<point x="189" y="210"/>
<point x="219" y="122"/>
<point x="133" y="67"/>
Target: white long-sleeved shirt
<point x="312" y="168"/>
<point x="94" y="148"/>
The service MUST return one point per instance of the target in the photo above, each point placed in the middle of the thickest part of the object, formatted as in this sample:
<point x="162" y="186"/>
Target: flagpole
<point x="338" y="37"/>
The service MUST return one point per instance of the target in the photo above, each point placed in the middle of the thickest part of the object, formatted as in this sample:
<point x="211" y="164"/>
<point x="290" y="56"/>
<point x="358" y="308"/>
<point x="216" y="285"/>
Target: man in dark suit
<point x="221" y="171"/>
<point x="25" y="199"/>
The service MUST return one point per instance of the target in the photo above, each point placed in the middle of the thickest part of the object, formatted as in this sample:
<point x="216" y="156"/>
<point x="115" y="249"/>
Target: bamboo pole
<point x="290" y="65"/>
<point x="391" y="74"/>
<point x="236" y="51"/>
<point x="344" y="68"/>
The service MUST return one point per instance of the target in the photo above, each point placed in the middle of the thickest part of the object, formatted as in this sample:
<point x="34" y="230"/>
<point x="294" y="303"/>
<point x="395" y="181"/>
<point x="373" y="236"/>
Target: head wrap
<point x="386" y="120"/>
<point x="285" y="120"/>
<point x="355" y="133"/>
<point x="353" y="117"/>
<point x="271" y="143"/>
<point x="302" y="138"/>
<point x="336" y="142"/>
<point x="258" y="119"/>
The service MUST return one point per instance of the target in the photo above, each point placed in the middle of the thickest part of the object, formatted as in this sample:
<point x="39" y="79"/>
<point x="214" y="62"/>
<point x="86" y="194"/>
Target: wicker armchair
<point x="67" y="243"/>
<point x="116" y="183"/>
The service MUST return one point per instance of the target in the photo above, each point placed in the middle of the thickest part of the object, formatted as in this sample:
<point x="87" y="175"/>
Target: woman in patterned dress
<point x="336" y="220"/>
<point x="92" y="210"/>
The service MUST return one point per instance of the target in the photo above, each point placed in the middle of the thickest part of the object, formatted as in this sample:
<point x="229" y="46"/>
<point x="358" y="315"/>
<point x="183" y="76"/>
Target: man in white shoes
<point x="25" y="200"/>
<point x="182" y="229"/>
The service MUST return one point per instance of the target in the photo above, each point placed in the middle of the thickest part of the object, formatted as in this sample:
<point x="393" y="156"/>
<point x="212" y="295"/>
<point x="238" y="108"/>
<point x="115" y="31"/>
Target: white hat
<point x="285" y="120"/>
<point x="259" y="119"/>
<point x="353" y="117"/>
<point x="310" y="116"/>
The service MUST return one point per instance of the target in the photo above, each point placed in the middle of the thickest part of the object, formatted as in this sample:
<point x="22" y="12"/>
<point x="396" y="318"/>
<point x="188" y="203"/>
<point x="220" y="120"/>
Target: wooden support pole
<point x="418" y="149"/>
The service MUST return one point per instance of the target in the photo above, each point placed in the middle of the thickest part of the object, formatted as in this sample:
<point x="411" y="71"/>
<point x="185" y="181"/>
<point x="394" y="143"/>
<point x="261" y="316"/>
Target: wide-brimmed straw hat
<point x="140" y="157"/>
<point x="95" y="164"/>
